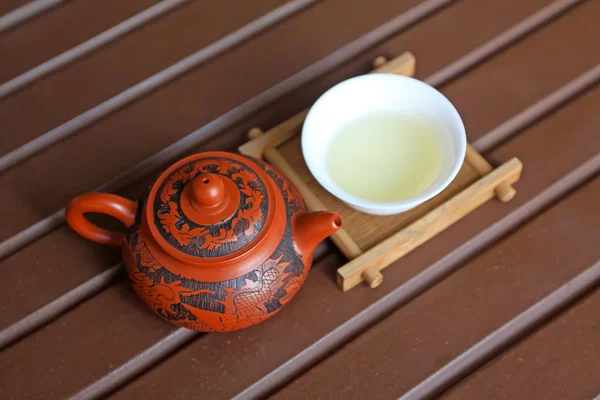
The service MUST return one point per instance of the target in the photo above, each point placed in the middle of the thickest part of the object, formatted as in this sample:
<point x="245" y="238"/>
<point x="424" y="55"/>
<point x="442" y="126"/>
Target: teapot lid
<point x="210" y="207"/>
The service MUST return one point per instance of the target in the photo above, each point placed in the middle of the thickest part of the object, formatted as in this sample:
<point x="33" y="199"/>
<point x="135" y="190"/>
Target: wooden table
<point x="504" y="304"/>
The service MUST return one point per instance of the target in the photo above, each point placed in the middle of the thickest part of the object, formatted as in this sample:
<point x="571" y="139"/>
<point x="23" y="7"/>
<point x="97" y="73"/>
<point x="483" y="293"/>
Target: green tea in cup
<point x="384" y="157"/>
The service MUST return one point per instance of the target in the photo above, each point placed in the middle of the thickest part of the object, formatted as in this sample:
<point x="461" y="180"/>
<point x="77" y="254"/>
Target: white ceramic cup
<point x="376" y="93"/>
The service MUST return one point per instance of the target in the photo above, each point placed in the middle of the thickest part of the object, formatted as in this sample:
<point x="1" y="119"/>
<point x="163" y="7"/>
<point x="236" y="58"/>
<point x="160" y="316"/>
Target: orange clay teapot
<point x="221" y="243"/>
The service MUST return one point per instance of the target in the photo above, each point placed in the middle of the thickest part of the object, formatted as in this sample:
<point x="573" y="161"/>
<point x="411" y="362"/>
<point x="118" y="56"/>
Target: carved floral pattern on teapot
<point x="217" y="239"/>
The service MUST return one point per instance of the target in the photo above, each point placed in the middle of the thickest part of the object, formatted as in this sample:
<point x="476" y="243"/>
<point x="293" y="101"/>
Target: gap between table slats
<point x="340" y="56"/>
<point x="26" y="12"/>
<point x="152" y="83"/>
<point x="506" y="335"/>
<point x="88" y="46"/>
<point x="485" y="143"/>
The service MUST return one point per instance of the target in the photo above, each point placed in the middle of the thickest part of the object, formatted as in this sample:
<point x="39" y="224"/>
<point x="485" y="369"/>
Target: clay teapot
<point x="222" y="241"/>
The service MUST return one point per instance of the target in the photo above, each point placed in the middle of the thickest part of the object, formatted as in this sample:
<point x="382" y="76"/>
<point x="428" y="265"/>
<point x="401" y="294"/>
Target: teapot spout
<point x="311" y="228"/>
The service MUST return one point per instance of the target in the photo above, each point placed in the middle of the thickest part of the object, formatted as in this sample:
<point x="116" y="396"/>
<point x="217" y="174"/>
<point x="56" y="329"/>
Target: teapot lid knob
<point x="207" y="190"/>
<point x="209" y="199"/>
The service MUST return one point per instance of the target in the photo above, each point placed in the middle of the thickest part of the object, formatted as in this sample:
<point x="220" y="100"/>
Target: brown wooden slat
<point x="425" y="334"/>
<point x="120" y="65"/>
<point x="538" y="147"/>
<point x="82" y="49"/>
<point x="10" y="5"/>
<point x="26" y="13"/>
<point x="50" y="274"/>
<point x="58" y="30"/>
<point x="559" y="360"/>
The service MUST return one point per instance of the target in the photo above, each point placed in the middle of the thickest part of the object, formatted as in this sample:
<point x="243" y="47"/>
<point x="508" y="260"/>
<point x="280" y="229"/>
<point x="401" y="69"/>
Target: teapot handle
<point x="105" y="203"/>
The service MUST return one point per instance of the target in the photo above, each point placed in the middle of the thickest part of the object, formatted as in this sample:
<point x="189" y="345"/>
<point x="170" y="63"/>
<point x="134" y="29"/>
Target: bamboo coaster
<point x="370" y="242"/>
